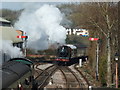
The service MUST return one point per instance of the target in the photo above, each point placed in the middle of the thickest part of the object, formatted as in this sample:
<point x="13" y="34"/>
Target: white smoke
<point x="42" y="25"/>
<point x="8" y="49"/>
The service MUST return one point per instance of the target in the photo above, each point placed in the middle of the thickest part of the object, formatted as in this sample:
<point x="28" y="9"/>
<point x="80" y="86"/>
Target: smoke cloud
<point x="43" y="26"/>
<point x="9" y="50"/>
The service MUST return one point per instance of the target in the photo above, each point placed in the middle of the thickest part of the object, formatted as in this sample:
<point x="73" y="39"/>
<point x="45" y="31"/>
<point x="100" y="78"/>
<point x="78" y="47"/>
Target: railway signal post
<point x="97" y="56"/>
<point x="24" y="38"/>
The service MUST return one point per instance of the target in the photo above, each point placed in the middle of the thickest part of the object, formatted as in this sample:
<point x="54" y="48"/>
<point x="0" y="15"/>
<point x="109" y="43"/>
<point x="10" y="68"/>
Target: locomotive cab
<point x="65" y="53"/>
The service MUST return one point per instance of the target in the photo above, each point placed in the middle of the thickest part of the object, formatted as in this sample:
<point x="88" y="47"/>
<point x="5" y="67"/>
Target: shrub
<point x="103" y="70"/>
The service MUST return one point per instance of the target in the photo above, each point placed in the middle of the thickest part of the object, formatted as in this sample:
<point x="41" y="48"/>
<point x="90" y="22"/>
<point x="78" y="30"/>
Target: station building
<point x="7" y="32"/>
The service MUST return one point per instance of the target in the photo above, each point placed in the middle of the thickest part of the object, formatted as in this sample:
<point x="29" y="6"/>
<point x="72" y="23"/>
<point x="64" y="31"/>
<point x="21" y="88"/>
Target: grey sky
<point x="17" y="4"/>
<point x="13" y="5"/>
<point x="21" y="5"/>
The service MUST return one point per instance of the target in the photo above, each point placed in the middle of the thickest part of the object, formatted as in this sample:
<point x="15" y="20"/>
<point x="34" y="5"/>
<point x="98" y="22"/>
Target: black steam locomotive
<point x="65" y="53"/>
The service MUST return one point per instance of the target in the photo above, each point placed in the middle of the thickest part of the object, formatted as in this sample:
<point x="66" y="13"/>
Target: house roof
<point x="4" y="20"/>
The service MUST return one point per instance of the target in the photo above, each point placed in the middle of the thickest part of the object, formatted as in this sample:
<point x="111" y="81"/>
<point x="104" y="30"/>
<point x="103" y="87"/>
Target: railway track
<point x="74" y="78"/>
<point x="71" y="78"/>
<point x="36" y="67"/>
<point x="43" y="78"/>
<point x="86" y="82"/>
<point x="37" y="70"/>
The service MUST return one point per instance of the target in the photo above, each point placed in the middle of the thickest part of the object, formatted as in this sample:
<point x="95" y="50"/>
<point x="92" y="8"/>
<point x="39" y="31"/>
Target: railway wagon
<point x="16" y="75"/>
<point x="65" y="53"/>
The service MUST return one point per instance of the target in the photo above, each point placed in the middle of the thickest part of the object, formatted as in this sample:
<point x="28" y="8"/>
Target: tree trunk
<point x="109" y="62"/>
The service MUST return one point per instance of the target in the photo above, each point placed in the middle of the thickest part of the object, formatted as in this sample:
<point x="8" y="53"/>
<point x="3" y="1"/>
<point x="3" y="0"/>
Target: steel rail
<point x="42" y="78"/>
<point x="65" y="78"/>
<point x="47" y="77"/>
<point x="44" y="71"/>
<point x="80" y="84"/>
<point x="82" y="75"/>
<point x="38" y="68"/>
<point x="67" y="81"/>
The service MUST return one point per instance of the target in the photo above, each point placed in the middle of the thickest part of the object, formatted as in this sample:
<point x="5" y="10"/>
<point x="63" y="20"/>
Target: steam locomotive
<point x="66" y="53"/>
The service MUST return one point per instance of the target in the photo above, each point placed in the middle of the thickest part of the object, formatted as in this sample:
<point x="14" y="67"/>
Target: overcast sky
<point x="20" y="4"/>
<point x="12" y="5"/>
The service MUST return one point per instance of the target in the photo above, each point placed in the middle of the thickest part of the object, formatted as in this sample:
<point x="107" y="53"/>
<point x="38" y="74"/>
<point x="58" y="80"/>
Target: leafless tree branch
<point x="93" y="22"/>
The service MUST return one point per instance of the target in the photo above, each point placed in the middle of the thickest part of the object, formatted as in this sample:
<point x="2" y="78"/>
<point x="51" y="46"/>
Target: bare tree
<point x="101" y="19"/>
<point x="109" y="22"/>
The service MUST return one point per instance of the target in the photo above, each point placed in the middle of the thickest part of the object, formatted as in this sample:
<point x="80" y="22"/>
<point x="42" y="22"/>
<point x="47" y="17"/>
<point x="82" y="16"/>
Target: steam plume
<point x="42" y="26"/>
<point x="9" y="50"/>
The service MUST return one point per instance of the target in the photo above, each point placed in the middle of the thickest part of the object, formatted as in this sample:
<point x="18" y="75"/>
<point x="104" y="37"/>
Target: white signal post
<point x="97" y="56"/>
<point x="25" y="48"/>
<point x="24" y="38"/>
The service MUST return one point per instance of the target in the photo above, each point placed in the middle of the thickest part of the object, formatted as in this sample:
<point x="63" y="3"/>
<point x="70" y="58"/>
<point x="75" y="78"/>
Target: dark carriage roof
<point x="12" y="71"/>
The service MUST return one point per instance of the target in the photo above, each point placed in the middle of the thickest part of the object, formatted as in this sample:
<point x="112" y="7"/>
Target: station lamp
<point x="116" y="57"/>
<point x="116" y="76"/>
